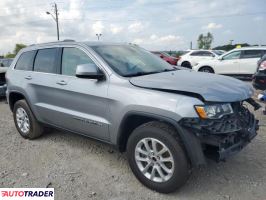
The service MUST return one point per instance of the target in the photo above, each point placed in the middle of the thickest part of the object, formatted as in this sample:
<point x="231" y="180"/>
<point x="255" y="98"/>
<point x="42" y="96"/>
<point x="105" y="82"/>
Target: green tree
<point x="18" y="47"/>
<point x="205" y="41"/>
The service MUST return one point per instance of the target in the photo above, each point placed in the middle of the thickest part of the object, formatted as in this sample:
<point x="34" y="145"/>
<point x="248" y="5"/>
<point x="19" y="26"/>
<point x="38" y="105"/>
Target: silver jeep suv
<point x="167" y="119"/>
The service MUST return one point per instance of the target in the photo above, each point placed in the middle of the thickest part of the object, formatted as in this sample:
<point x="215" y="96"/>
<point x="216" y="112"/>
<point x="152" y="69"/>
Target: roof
<point x="88" y="43"/>
<point x="253" y="47"/>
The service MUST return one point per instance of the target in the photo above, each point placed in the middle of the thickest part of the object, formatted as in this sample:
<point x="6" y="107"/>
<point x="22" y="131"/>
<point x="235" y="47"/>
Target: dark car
<point x="165" y="56"/>
<point x="5" y="62"/>
<point x="259" y="78"/>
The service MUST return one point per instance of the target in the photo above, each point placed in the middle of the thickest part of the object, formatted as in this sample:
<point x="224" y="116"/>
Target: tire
<point x="206" y="69"/>
<point x="22" y="115"/>
<point x="160" y="134"/>
<point x="186" y="64"/>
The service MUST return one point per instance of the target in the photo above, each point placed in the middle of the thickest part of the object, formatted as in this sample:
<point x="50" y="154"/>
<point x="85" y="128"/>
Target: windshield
<point x="218" y="52"/>
<point x="128" y="60"/>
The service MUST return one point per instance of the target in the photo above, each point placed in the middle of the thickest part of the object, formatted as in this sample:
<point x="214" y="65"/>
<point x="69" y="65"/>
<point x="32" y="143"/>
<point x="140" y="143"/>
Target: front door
<point x="81" y="103"/>
<point x="228" y="64"/>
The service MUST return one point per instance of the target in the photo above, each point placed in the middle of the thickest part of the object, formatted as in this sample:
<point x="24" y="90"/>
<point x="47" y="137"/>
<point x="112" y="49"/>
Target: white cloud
<point x="116" y="29"/>
<point x="165" y="39"/>
<point x="212" y="26"/>
<point x="135" y="27"/>
<point x="98" y="27"/>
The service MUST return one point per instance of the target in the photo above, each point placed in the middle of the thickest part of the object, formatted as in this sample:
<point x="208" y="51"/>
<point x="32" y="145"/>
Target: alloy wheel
<point x="154" y="160"/>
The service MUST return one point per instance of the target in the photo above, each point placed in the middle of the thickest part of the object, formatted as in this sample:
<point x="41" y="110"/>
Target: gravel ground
<point x="80" y="168"/>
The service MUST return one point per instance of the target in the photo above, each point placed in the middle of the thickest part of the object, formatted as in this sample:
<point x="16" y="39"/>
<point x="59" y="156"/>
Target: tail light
<point x="262" y="66"/>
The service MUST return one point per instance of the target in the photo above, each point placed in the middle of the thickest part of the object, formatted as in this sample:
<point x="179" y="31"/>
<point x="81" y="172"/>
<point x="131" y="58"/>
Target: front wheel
<point x="157" y="158"/>
<point x="206" y="69"/>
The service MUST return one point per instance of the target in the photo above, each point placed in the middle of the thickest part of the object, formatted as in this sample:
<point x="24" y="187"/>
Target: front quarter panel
<point x="125" y="98"/>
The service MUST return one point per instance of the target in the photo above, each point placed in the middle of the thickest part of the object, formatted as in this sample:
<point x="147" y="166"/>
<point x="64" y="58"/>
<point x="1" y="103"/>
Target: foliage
<point x="205" y="41"/>
<point x="17" y="48"/>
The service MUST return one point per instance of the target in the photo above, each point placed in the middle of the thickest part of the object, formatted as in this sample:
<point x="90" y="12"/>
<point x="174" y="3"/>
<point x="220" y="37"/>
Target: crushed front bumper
<point x="3" y="90"/>
<point x="222" y="138"/>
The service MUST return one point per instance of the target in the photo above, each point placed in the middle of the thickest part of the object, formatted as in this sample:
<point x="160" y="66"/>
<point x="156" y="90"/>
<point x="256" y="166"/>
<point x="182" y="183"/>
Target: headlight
<point x="214" y="111"/>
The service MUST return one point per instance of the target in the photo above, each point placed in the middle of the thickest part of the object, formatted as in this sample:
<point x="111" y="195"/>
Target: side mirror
<point x="90" y="71"/>
<point x="161" y="56"/>
<point x="220" y="58"/>
<point x="2" y="65"/>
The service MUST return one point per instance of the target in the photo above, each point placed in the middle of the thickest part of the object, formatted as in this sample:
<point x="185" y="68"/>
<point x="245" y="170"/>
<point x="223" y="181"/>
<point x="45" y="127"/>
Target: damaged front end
<point x="223" y="137"/>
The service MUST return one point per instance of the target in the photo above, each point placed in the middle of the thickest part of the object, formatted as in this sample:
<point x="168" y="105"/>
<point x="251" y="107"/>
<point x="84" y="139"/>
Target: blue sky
<point x="153" y="24"/>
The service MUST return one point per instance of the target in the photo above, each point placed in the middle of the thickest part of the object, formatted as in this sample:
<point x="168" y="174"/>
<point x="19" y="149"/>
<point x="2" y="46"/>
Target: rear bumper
<point x="3" y="90"/>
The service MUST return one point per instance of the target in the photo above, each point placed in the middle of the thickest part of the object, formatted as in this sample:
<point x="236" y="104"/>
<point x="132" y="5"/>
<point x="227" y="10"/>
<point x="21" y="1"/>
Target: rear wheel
<point x="186" y="64"/>
<point x="25" y="121"/>
<point x="206" y="69"/>
<point x="157" y="158"/>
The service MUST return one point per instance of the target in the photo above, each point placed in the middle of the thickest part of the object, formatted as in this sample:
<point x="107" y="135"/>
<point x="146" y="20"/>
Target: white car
<point x="240" y="61"/>
<point x="191" y="58"/>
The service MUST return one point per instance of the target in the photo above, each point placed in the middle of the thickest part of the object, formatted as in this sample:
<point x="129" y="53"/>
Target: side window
<point x="196" y="53"/>
<point x="207" y="54"/>
<point x="233" y="55"/>
<point x="25" y="61"/>
<point x="45" y="60"/>
<point x="71" y="58"/>
<point x="251" y="54"/>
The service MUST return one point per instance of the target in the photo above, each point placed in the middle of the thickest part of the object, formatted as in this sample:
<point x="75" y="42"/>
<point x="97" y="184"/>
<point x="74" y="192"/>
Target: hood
<point x="211" y="87"/>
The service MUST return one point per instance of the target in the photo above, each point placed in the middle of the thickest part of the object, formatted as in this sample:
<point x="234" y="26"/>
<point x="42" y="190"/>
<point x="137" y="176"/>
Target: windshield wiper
<point x="147" y="73"/>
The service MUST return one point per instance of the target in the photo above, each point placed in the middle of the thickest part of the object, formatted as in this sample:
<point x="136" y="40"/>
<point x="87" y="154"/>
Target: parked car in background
<point x="3" y="81"/>
<point x="5" y="62"/>
<point x="165" y="56"/>
<point x="239" y="62"/>
<point x="192" y="57"/>
<point x="167" y="119"/>
<point x="219" y="52"/>
<point x="259" y="78"/>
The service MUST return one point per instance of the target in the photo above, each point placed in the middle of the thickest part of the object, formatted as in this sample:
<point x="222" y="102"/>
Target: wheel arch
<point x="132" y="120"/>
<point x="13" y="97"/>
<point x="206" y="66"/>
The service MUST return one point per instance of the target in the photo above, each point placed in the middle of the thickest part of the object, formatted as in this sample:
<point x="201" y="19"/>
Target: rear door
<point x="198" y="56"/>
<point x="248" y="61"/>
<point x="42" y="87"/>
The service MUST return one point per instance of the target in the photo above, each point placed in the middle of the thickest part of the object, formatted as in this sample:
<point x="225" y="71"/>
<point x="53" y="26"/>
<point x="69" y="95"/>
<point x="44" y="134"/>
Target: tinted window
<point x="251" y="54"/>
<point x="196" y="53"/>
<point x="206" y="53"/>
<point x="45" y="61"/>
<point x="25" y="61"/>
<point x="71" y="58"/>
<point x="233" y="55"/>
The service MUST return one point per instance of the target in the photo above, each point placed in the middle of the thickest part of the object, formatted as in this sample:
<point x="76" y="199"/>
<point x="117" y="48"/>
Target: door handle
<point x="62" y="82"/>
<point x="28" y="77"/>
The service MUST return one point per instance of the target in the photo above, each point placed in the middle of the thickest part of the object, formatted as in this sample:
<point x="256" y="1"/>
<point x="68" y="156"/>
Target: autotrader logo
<point x="26" y="193"/>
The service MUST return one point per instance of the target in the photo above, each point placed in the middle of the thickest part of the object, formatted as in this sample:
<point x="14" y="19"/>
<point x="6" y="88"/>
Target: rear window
<point x="45" y="60"/>
<point x="251" y="54"/>
<point x="25" y="61"/>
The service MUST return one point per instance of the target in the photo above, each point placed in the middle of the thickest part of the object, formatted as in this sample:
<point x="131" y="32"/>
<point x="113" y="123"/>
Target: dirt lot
<point x="79" y="168"/>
